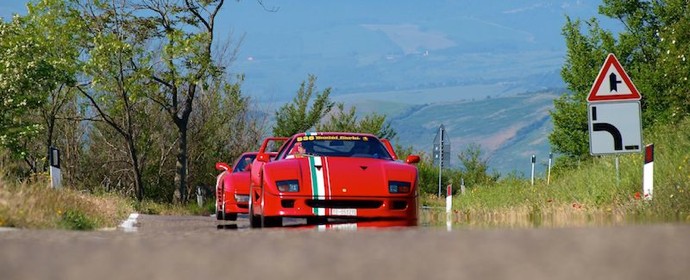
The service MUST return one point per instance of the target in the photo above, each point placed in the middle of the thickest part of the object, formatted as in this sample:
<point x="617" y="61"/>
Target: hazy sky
<point x="302" y="35"/>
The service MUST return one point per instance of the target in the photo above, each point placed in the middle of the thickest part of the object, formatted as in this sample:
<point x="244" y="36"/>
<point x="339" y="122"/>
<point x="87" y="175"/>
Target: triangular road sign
<point x="612" y="83"/>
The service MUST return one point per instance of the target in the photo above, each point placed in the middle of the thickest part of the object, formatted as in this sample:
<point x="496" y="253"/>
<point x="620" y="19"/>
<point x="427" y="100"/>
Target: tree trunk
<point x="181" y="164"/>
<point x="134" y="157"/>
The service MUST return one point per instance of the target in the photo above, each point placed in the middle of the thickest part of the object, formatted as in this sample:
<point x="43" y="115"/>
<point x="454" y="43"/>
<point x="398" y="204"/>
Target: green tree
<point x="298" y="116"/>
<point x="475" y="169"/>
<point x="187" y="67"/>
<point x="653" y="48"/>
<point x="347" y="122"/>
<point x="118" y="87"/>
<point x="37" y="70"/>
<point x="223" y="126"/>
<point x="166" y="56"/>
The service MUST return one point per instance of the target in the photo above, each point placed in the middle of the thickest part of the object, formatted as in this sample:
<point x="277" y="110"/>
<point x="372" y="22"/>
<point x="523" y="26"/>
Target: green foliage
<point x="347" y="122"/>
<point x="653" y="49"/>
<point x="76" y="220"/>
<point x="299" y="116"/>
<point x="428" y="178"/>
<point x="37" y="63"/>
<point x="474" y="172"/>
<point x="590" y="190"/>
<point x="148" y="75"/>
<point x="475" y="168"/>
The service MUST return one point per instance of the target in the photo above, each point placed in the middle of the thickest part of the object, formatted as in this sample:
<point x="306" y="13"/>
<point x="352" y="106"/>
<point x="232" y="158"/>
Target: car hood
<point x="324" y="177"/>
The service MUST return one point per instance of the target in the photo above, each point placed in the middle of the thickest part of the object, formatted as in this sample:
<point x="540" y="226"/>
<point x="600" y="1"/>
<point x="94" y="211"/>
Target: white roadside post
<point x="449" y="198"/>
<point x="548" y="174"/>
<point x="55" y="175"/>
<point x="648" y="181"/>
<point x="199" y="196"/>
<point x="449" y="206"/>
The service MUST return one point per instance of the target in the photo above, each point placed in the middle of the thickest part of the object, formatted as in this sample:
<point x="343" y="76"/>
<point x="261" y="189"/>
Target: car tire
<point x="230" y="217"/>
<point x="254" y="221"/>
<point x="219" y="215"/>
<point x="273" y="221"/>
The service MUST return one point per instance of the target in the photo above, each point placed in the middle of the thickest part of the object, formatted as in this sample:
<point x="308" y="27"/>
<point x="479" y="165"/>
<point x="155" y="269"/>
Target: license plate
<point x="344" y="212"/>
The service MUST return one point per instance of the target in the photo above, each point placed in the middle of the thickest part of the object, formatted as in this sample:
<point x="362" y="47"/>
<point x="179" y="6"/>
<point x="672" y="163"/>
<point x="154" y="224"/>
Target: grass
<point x="590" y="193"/>
<point x="192" y="208"/>
<point x="35" y="205"/>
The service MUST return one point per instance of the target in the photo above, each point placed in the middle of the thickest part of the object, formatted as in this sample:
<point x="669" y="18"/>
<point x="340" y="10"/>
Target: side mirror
<point x="263" y="157"/>
<point x="222" y="166"/>
<point x="412" y="159"/>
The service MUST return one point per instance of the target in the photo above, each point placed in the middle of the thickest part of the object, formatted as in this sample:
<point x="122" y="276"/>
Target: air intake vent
<point x="351" y="204"/>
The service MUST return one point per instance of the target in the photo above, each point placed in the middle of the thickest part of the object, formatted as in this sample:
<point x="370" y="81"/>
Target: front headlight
<point x="398" y="187"/>
<point x="242" y="198"/>
<point x="288" y="186"/>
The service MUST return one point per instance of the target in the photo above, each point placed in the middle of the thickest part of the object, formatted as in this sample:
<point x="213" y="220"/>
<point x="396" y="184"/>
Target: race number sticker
<point x="344" y="212"/>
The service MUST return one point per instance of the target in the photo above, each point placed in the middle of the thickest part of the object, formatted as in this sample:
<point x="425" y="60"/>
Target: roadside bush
<point x="77" y="220"/>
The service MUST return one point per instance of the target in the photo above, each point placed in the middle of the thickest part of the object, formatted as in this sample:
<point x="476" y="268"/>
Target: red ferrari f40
<point x="232" y="187"/>
<point x="325" y="175"/>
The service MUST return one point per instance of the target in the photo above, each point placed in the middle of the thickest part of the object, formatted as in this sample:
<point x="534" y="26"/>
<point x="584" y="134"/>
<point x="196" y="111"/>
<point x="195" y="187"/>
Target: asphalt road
<point x="165" y="247"/>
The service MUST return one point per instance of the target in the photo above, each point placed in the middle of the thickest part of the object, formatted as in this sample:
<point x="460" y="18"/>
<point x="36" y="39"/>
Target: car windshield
<point x="244" y="163"/>
<point x="338" y="146"/>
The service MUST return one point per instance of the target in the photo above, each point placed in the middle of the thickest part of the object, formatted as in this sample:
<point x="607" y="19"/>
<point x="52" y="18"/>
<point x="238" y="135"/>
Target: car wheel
<point x="273" y="221"/>
<point x="254" y="221"/>
<point x="230" y="217"/>
<point x="219" y="215"/>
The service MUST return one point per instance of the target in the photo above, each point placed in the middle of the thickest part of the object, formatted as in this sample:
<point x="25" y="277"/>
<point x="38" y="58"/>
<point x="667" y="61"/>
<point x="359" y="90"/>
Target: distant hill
<point x="372" y="46"/>
<point x="484" y="70"/>
<point x="510" y="129"/>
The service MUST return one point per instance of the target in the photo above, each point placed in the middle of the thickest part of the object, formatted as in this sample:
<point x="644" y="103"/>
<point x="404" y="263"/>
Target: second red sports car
<point x="232" y="187"/>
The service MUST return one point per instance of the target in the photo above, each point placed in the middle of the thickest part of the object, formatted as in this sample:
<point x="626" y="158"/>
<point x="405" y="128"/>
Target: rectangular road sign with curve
<point x="614" y="127"/>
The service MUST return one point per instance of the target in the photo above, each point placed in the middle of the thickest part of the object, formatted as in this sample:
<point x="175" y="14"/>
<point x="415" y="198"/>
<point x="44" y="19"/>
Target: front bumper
<point x="233" y="206"/>
<point x="397" y="207"/>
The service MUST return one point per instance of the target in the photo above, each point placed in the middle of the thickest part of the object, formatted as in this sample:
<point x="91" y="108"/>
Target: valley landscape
<point x="488" y="72"/>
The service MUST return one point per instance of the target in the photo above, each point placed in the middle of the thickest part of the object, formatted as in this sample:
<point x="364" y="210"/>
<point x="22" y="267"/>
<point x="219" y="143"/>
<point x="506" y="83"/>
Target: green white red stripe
<point x="320" y="185"/>
<point x="320" y="180"/>
<point x="317" y="182"/>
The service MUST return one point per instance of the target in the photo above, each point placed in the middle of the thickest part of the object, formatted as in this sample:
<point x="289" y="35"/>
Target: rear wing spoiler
<point x="268" y="140"/>
<point x="389" y="147"/>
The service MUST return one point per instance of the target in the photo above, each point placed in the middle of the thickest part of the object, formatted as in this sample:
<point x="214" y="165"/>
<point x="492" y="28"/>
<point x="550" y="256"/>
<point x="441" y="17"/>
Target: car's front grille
<point x="343" y="204"/>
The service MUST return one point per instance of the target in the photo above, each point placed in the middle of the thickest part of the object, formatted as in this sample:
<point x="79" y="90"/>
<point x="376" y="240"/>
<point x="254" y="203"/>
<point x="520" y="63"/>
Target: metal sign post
<point x="441" y="154"/>
<point x="534" y="160"/>
<point x="440" y="160"/>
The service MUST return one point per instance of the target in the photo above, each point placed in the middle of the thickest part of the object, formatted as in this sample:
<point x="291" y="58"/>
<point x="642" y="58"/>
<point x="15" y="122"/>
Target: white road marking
<point x="130" y="225"/>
